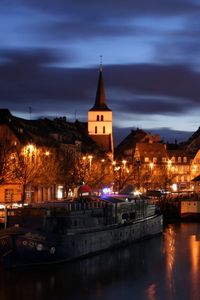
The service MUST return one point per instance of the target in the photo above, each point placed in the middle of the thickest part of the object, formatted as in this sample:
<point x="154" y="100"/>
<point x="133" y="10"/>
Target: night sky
<point x="50" y="55"/>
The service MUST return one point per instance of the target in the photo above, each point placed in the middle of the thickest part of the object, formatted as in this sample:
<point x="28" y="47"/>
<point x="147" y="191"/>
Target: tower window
<point x="101" y="117"/>
<point x="104" y="129"/>
<point x="95" y="129"/>
<point x="98" y="118"/>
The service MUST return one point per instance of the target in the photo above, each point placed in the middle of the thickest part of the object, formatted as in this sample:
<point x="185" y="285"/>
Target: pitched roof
<point x="193" y="143"/>
<point x="130" y="141"/>
<point x="47" y="132"/>
<point x="179" y="152"/>
<point x="151" y="149"/>
<point x="196" y="179"/>
<point x="100" y="102"/>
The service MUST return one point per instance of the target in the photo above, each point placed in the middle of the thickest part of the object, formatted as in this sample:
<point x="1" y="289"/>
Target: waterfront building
<point x="180" y="169"/>
<point x="28" y="147"/>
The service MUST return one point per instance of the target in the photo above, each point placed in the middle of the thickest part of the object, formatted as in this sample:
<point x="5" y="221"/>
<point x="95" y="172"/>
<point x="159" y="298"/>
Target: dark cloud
<point x="84" y="29"/>
<point x="176" y="81"/>
<point x="30" y="77"/>
<point x="109" y="8"/>
<point x="149" y="105"/>
<point x="84" y="19"/>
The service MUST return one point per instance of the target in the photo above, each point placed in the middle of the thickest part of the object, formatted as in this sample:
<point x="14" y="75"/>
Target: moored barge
<point x="57" y="232"/>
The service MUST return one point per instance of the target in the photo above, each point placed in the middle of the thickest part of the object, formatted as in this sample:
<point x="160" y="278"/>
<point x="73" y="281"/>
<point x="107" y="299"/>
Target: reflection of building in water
<point x="151" y="292"/>
<point x="194" y="254"/>
<point x="169" y="240"/>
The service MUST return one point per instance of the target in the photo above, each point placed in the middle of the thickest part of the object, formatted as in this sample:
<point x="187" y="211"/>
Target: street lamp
<point x="138" y="173"/>
<point x="90" y="160"/>
<point x="47" y="153"/>
<point x="151" y="166"/>
<point x="124" y="163"/>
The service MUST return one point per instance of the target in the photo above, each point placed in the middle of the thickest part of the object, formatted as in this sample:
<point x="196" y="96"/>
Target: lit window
<point x="184" y="159"/>
<point x="146" y="159"/>
<point x="154" y="159"/>
<point x="179" y="159"/>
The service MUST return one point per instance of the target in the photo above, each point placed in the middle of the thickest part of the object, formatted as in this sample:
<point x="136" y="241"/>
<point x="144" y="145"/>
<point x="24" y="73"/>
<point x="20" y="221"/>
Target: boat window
<point x="132" y="215"/>
<point x="125" y="216"/>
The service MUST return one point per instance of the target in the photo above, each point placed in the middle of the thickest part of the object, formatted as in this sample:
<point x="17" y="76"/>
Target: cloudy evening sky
<point x="49" y="60"/>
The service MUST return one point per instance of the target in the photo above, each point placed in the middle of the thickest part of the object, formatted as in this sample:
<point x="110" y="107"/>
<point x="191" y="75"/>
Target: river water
<point x="165" y="267"/>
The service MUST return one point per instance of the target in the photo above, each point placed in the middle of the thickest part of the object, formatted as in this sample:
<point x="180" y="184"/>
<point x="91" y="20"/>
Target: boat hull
<point x="34" y="248"/>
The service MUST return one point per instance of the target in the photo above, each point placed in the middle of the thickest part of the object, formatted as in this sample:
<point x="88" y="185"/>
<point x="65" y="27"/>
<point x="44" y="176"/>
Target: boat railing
<point x="70" y="206"/>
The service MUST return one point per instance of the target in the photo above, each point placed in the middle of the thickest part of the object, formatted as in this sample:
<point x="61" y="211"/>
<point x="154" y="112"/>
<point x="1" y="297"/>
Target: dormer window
<point x="20" y="130"/>
<point x="173" y="159"/>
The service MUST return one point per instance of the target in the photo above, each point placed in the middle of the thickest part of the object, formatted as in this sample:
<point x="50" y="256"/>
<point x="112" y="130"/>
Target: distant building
<point x="180" y="162"/>
<point x="100" y="120"/>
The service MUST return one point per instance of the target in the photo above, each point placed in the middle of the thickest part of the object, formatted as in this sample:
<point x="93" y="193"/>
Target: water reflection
<point x="165" y="267"/>
<point x="170" y="251"/>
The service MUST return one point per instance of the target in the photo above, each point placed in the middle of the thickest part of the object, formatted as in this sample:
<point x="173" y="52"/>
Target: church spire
<point x="100" y="101"/>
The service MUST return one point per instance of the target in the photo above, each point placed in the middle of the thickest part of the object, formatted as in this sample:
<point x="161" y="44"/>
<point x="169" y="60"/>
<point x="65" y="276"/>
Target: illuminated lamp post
<point x="124" y="163"/>
<point x="90" y="160"/>
<point x="151" y="165"/>
<point x="47" y="153"/>
<point x="169" y="167"/>
<point x="138" y="173"/>
<point x="29" y="153"/>
<point x="116" y="169"/>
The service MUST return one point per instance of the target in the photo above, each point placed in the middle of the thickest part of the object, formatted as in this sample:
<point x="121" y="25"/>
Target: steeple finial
<point x="100" y="101"/>
<point x="101" y="59"/>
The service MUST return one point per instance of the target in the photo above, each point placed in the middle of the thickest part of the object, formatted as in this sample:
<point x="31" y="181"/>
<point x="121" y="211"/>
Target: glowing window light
<point x="174" y="187"/>
<point x="60" y="192"/>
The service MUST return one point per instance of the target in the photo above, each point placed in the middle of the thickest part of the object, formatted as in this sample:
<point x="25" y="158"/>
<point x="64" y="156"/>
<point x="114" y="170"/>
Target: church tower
<point x="100" y="119"/>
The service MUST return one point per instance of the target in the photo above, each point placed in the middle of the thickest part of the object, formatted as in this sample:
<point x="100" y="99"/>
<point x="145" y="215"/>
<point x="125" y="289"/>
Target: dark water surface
<point x="165" y="267"/>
